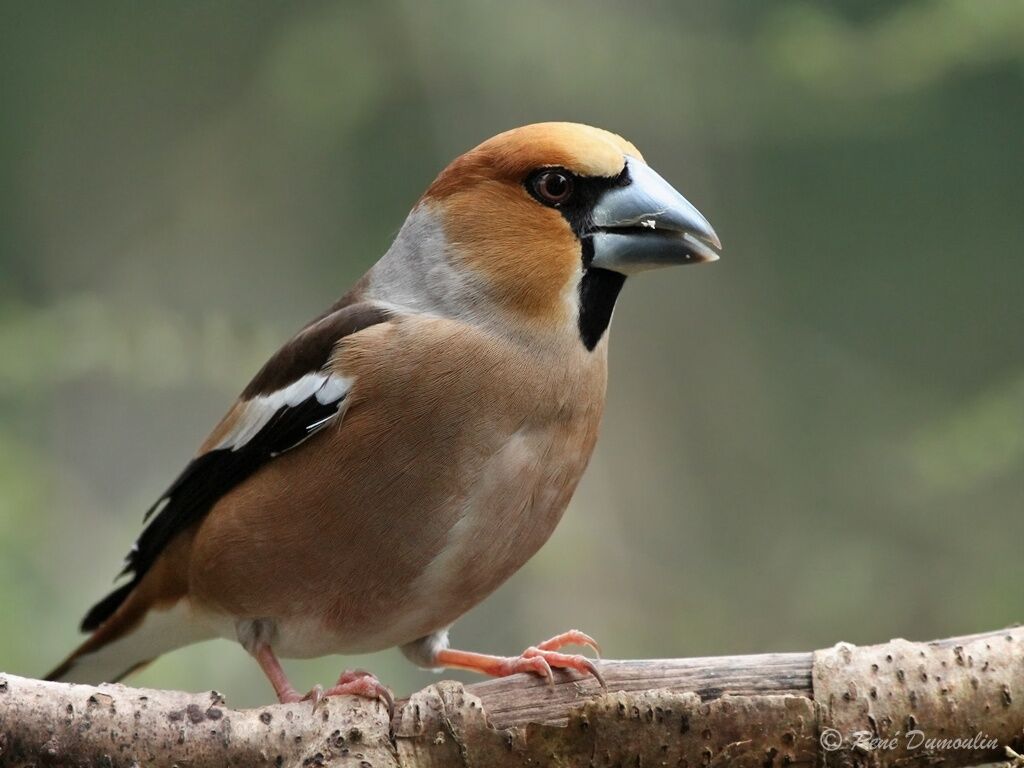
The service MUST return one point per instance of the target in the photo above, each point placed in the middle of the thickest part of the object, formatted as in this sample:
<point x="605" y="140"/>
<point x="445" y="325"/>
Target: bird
<point x="411" y="447"/>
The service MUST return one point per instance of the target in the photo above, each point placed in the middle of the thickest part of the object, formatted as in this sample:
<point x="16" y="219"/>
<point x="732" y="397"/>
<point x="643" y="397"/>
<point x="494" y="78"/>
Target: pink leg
<point x="537" y="659"/>
<point x="351" y="683"/>
<point x="271" y="667"/>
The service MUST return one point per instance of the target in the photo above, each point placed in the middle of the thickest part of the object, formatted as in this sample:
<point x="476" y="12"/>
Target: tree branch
<point x="957" y="702"/>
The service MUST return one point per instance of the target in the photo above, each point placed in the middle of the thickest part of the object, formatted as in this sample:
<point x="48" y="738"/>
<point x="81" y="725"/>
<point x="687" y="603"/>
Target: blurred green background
<point x="819" y="438"/>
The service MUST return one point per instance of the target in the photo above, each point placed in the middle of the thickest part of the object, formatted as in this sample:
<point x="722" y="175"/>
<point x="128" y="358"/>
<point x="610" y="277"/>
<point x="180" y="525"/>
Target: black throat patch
<point x="599" y="289"/>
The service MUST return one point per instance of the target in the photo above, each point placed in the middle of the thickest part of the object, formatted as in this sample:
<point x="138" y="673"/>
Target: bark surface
<point x="954" y="702"/>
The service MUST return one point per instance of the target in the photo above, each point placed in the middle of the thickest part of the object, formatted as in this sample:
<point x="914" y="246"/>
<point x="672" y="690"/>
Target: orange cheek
<point x="526" y="253"/>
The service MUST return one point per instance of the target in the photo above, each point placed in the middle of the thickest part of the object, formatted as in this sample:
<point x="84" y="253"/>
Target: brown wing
<point x="291" y="398"/>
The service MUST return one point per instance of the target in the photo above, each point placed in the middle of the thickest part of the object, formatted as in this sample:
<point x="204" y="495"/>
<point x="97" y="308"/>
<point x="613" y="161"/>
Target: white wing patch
<point x="256" y="413"/>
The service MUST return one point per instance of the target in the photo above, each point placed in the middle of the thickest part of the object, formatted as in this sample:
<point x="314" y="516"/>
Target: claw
<point x="389" y="701"/>
<point x="592" y="669"/>
<point x="316" y="695"/>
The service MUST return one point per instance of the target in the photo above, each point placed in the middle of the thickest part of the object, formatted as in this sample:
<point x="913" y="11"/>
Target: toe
<point x="567" y="661"/>
<point x="572" y="637"/>
<point x="540" y="666"/>
<point x="351" y="675"/>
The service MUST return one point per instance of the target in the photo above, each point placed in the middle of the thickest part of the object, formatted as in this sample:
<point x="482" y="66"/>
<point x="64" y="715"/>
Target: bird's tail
<point x="129" y="639"/>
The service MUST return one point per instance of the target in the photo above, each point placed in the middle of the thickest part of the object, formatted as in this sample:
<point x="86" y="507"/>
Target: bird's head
<point x="541" y="225"/>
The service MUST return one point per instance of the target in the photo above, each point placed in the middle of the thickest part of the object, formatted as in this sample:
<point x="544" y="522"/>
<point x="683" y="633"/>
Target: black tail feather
<point x="105" y="607"/>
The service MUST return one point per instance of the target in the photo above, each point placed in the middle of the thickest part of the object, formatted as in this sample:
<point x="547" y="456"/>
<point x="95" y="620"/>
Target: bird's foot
<point x="357" y="682"/>
<point x="352" y="682"/>
<point x="538" y="659"/>
<point x="540" y="662"/>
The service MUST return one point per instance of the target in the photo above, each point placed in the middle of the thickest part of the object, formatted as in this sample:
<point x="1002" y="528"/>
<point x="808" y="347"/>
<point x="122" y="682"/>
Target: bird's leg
<point x="351" y="683"/>
<point x="275" y="673"/>
<point x="537" y="659"/>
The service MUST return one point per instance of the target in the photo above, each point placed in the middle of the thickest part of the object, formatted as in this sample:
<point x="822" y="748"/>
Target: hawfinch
<point x="415" y="444"/>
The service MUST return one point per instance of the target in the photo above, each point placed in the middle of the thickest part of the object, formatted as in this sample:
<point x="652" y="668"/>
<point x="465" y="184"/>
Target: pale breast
<point x="504" y="517"/>
<point x="453" y="464"/>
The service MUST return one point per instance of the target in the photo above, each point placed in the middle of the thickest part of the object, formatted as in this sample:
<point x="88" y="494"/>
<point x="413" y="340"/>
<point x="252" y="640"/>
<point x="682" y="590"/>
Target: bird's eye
<point x="553" y="187"/>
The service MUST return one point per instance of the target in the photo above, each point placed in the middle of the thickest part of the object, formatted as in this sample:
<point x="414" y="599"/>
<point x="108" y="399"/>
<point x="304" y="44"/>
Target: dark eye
<point x="553" y="187"/>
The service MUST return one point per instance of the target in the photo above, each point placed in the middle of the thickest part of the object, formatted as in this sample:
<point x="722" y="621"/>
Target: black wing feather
<point x="203" y="482"/>
<point x="211" y="475"/>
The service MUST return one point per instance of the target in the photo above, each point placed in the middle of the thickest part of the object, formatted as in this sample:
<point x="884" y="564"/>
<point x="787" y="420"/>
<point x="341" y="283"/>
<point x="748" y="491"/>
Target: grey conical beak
<point x="647" y="224"/>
